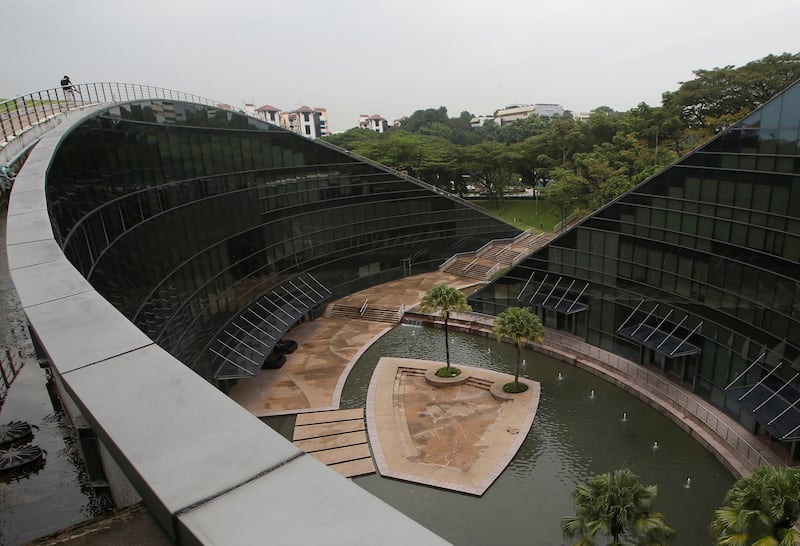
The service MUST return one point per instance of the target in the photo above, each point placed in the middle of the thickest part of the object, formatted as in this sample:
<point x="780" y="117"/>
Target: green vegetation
<point x="519" y="324"/>
<point x="10" y="105"/>
<point x="616" y="505"/>
<point x="538" y="214"/>
<point x="446" y="300"/>
<point x="448" y="371"/>
<point x="761" y="509"/>
<point x="584" y="164"/>
<point x="515" y="387"/>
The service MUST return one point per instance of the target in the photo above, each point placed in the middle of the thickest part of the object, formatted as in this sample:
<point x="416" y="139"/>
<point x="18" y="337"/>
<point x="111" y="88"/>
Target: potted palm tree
<point x="446" y="300"/>
<point x="519" y="324"/>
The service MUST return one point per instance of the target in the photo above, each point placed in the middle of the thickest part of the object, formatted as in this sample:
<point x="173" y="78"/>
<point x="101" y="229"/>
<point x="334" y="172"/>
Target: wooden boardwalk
<point x="336" y="438"/>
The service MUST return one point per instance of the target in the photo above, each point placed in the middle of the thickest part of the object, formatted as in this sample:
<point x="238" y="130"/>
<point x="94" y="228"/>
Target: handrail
<point x="468" y="266"/>
<point x="363" y="307"/>
<point x="20" y="113"/>
<point x="454" y="258"/>
<point x="495" y="268"/>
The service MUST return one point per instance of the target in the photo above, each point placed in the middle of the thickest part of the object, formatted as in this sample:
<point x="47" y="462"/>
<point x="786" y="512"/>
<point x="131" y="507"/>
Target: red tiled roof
<point x="267" y="108"/>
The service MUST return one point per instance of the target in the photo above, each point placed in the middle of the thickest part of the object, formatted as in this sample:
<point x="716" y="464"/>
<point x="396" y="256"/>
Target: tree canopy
<point x="616" y="505"/>
<point x="597" y="158"/>
<point x="444" y="299"/>
<point x="519" y="324"/>
<point x="761" y="509"/>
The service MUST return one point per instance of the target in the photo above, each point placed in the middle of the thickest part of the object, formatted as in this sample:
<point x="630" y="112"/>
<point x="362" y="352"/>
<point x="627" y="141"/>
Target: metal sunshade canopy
<point x="661" y="341"/>
<point x="776" y="406"/>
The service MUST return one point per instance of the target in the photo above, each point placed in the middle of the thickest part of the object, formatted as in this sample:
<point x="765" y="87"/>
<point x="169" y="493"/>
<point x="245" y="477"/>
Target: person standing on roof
<point x="69" y="90"/>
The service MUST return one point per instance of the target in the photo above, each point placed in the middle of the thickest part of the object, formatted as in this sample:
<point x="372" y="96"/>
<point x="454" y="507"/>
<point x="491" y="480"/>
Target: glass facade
<point x="182" y="214"/>
<point x="705" y="253"/>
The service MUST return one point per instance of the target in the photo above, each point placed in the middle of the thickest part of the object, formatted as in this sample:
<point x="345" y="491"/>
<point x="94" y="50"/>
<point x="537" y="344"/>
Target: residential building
<point x="303" y="121"/>
<point x="480" y="121"/>
<point x="306" y="121"/>
<point x="324" y="128"/>
<point x="269" y="114"/>
<point x="373" y="122"/>
<point x="516" y="112"/>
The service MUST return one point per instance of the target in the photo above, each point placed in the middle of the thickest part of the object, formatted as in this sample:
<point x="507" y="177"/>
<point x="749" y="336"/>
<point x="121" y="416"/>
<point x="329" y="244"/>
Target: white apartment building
<point x="269" y="114"/>
<point x="306" y="121"/>
<point x="480" y="121"/>
<point x="373" y="122"/>
<point x="516" y="112"/>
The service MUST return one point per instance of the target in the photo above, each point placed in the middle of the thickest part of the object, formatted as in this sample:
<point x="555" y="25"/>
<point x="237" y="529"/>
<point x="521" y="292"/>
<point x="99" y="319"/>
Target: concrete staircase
<point x="471" y="268"/>
<point x="495" y="256"/>
<point x="374" y="314"/>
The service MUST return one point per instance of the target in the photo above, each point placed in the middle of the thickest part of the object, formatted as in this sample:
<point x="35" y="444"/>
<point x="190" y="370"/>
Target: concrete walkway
<point x="314" y="375"/>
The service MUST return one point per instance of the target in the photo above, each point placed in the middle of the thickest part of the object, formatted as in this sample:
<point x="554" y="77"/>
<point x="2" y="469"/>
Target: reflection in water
<point x="48" y="496"/>
<point x="573" y="437"/>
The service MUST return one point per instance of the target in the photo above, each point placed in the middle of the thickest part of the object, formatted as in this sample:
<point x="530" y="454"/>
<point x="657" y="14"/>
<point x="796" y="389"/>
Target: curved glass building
<point x="183" y="215"/>
<point x="693" y="272"/>
<point x="146" y="240"/>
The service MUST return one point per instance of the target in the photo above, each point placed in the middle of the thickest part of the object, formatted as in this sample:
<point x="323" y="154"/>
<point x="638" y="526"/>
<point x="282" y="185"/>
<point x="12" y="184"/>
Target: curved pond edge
<point x="730" y="443"/>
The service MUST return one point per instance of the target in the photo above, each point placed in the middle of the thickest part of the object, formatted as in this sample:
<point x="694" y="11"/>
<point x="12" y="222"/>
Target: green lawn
<point x="524" y="213"/>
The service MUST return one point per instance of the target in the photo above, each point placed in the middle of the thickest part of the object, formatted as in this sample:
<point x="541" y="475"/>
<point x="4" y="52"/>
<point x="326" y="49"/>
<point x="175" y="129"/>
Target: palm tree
<point x="446" y="299"/>
<point x="519" y="324"/>
<point x="616" y="504"/>
<point x="761" y="509"/>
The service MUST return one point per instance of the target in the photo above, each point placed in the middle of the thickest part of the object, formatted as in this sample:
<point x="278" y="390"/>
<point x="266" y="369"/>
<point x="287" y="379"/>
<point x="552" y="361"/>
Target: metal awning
<point x="557" y="299"/>
<point x="249" y="337"/>
<point x="654" y="337"/>
<point x="776" y="406"/>
<point x="773" y="402"/>
<point x="559" y="302"/>
<point x="660" y="341"/>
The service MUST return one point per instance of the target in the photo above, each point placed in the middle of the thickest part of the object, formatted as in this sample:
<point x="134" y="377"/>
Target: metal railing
<point x="19" y="114"/>
<point x="478" y="253"/>
<point x="680" y="398"/>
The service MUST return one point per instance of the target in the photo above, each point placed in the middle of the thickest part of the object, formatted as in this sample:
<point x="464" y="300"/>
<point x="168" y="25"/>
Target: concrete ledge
<point x="497" y="391"/>
<point x="433" y="379"/>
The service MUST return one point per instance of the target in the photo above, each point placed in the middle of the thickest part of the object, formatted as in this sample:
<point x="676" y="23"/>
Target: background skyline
<point x="370" y="57"/>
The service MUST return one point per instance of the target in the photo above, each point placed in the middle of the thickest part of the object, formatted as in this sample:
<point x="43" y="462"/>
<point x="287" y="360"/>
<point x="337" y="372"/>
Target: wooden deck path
<point x="336" y="438"/>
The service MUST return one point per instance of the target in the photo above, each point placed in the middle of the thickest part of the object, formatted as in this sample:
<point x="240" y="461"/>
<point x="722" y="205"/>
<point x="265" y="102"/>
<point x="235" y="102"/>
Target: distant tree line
<point x="580" y="164"/>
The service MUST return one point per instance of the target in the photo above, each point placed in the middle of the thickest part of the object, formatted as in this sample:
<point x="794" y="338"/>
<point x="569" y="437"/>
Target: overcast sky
<point x="392" y="57"/>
